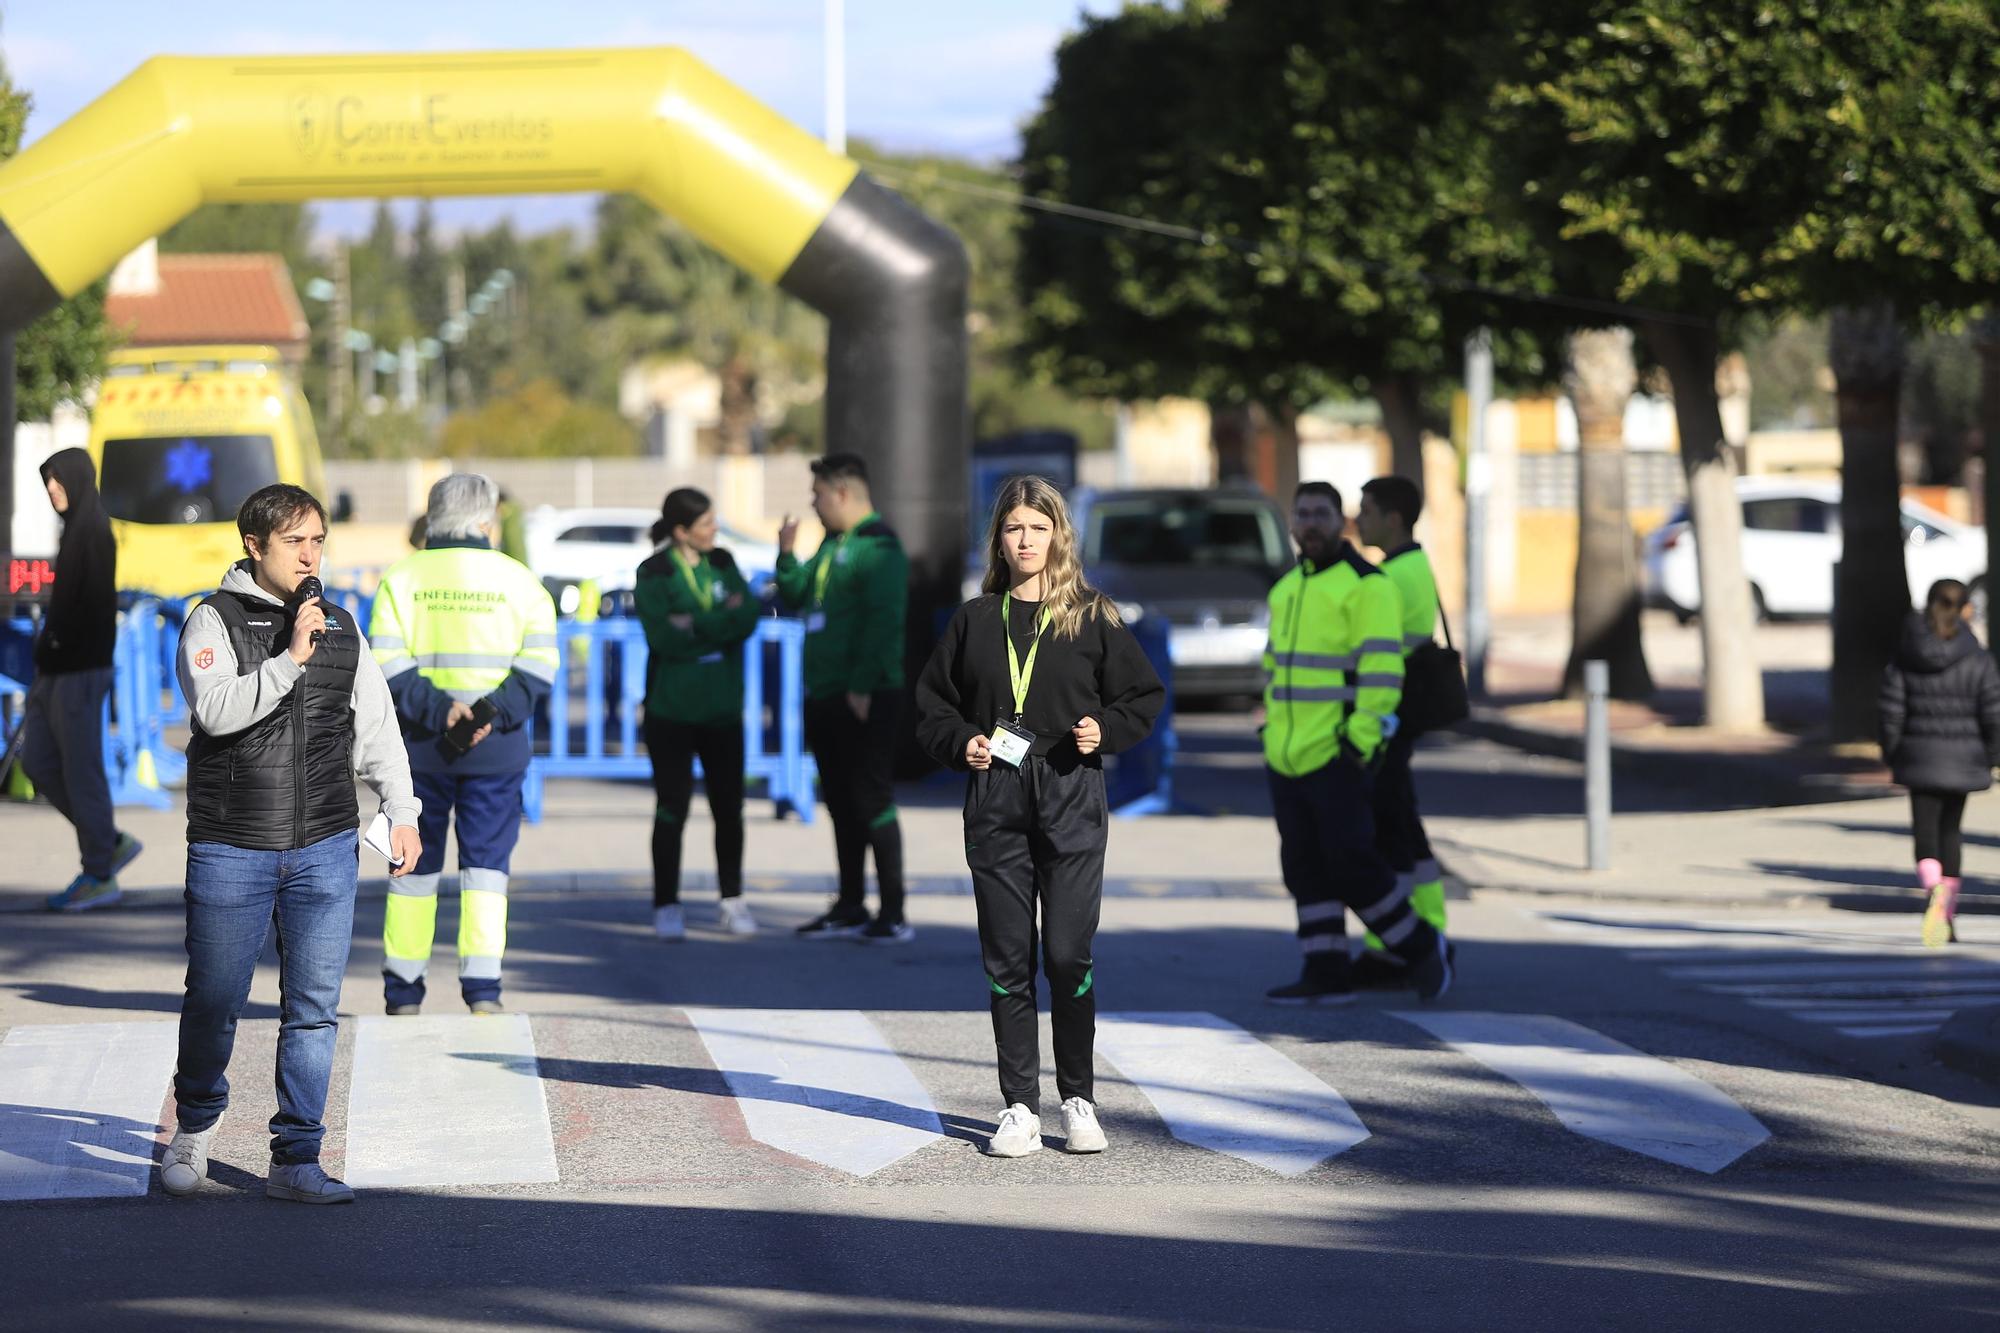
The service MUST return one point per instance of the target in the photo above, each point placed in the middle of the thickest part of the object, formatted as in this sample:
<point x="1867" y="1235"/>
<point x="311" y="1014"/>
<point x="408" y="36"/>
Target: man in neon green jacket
<point x="1387" y="519"/>
<point x="1335" y="666"/>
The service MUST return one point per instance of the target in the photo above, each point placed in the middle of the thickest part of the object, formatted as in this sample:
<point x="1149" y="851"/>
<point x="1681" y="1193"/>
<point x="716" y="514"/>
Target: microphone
<point x="309" y="588"/>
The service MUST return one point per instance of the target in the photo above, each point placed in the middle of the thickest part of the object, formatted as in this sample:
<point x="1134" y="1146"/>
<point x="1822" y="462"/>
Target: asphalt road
<point x="737" y="1134"/>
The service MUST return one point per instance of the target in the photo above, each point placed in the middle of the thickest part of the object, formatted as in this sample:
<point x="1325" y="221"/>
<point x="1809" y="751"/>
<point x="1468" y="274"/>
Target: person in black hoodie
<point x="1032" y="684"/>
<point x="62" y="742"/>
<point x="1941" y="735"/>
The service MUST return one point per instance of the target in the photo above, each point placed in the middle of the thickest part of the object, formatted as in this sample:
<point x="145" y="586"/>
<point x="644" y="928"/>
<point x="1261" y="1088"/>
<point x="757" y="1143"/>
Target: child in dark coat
<point x="1941" y="736"/>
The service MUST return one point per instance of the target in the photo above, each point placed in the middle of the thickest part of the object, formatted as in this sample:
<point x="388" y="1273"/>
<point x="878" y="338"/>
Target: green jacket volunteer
<point x="697" y="611"/>
<point x="1336" y="675"/>
<point x="465" y="635"/>
<point x="853" y="594"/>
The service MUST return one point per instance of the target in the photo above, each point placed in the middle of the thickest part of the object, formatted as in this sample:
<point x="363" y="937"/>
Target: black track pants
<point x="1326" y="847"/>
<point x="672" y="746"/>
<point x="857" y="781"/>
<point x="1934" y="818"/>
<point x="1399" y="829"/>
<point x="1036" y="835"/>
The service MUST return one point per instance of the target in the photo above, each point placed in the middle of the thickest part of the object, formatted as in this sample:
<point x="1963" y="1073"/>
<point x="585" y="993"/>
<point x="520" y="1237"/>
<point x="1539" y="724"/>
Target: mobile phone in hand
<point x="459" y="738"/>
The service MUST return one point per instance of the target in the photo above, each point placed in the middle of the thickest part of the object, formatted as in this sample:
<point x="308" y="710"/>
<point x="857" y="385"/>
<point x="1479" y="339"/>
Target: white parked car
<point x="568" y="546"/>
<point x="1791" y="540"/>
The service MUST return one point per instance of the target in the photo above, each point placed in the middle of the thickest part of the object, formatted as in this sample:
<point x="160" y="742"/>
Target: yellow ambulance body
<point x="181" y="437"/>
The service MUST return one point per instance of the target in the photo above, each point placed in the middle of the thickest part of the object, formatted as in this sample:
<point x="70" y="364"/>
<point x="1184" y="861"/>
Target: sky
<point x="956" y="76"/>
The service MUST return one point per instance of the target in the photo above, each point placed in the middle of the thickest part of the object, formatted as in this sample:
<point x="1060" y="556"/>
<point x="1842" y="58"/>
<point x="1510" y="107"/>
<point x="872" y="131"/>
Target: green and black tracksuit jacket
<point x="695" y="675"/>
<point x="854" y="593"/>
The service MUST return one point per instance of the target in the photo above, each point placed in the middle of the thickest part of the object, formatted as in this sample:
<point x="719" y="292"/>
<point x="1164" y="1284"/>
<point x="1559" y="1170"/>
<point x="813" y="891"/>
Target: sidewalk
<point x="1662" y="740"/>
<point x="595" y="835"/>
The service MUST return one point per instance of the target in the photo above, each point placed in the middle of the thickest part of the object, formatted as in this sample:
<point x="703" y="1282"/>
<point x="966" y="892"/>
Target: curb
<point x="641" y="882"/>
<point x="1970" y="1041"/>
<point x="1754" y="781"/>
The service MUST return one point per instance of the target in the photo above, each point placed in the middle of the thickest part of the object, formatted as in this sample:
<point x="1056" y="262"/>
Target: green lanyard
<point x="1020" y="675"/>
<point x="825" y="569"/>
<point x="705" y="596"/>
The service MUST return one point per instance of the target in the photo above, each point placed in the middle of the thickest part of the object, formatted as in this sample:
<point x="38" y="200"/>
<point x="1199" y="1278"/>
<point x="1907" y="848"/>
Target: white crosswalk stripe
<point x="447" y="1100"/>
<point x="1220" y="1088"/>
<point x="461" y="1101"/>
<point x="80" y="1107"/>
<point x="1604" y="1089"/>
<point x="1863" y="975"/>
<point x="821" y="1084"/>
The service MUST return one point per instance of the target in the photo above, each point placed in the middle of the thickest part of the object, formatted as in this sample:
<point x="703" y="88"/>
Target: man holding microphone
<point x="287" y="708"/>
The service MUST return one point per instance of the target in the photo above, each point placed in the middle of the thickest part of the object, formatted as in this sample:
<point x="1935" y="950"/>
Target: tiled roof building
<point x="156" y="300"/>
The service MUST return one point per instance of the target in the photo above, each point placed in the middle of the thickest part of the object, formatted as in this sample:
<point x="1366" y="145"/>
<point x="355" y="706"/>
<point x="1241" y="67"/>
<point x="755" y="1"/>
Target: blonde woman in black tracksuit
<point x="1032" y="684"/>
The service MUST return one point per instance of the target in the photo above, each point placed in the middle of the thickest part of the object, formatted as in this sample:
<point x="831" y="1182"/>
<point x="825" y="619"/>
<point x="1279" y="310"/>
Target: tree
<point x="667" y="292"/>
<point x="1600" y="382"/>
<point x="1709" y="160"/>
<point x="1871" y="590"/>
<point x="538" y="421"/>
<point x="1315" y="181"/>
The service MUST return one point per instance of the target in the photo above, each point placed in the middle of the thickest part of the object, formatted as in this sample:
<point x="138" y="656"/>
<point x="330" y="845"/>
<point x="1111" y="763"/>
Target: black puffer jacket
<point x="1941" y="711"/>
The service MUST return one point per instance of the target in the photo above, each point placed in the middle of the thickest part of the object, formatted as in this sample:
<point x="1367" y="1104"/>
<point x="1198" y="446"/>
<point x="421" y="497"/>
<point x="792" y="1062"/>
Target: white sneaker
<point x="186" y="1163"/>
<point x="736" y="918"/>
<point x="1020" y="1133"/>
<point x="670" y="922"/>
<point x="1081" y="1132"/>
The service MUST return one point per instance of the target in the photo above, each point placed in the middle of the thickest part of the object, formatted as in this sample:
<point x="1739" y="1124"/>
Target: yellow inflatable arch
<point x="180" y="132"/>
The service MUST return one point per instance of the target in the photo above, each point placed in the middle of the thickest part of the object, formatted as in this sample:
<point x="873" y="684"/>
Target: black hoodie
<point x="1941" y="711"/>
<point x="82" y="624"/>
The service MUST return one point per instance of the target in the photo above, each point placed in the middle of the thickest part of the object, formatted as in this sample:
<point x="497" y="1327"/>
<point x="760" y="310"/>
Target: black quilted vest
<point x="287" y="780"/>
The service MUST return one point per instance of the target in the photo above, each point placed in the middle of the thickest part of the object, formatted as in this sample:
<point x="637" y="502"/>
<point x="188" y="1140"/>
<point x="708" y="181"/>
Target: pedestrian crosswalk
<point x="1864" y="975"/>
<point x="461" y="1101"/>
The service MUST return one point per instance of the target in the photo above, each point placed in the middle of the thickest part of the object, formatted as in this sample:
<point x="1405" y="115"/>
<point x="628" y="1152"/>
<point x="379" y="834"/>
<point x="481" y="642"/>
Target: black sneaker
<point x="1316" y="985"/>
<point x="879" y="931"/>
<point x="837" y="922"/>
<point x="1378" y="969"/>
<point x="1432" y="973"/>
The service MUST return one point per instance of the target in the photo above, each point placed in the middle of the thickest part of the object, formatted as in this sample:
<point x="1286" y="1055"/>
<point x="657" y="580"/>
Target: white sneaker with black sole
<point x="1081" y="1132"/>
<point x="1020" y="1133"/>
<point x="186" y="1164"/>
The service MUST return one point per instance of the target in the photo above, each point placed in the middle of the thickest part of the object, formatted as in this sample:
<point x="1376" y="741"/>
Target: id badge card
<point x="815" y="622"/>
<point x="1010" y="742"/>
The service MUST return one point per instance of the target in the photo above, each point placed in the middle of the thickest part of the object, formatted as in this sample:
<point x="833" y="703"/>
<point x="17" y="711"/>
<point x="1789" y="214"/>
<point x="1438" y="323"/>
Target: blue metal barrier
<point x="610" y="655"/>
<point x="1141" y="780"/>
<point x="138" y="762"/>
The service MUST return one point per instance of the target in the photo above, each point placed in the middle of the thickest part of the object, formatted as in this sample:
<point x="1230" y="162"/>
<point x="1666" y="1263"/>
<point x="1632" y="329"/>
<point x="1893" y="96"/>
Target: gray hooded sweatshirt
<point x="225" y="703"/>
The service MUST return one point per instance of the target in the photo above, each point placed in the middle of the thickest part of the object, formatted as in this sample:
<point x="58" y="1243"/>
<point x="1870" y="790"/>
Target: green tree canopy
<point x="1316" y="182"/>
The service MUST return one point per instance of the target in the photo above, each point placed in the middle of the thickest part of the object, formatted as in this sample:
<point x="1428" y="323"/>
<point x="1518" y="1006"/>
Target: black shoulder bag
<point x="1434" y="693"/>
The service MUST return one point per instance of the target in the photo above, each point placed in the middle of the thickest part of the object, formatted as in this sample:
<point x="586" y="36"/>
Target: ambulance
<point x="181" y="437"/>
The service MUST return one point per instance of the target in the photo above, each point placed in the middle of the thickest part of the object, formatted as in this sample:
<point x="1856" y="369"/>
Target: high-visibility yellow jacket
<point x="459" y="622"/>
<point x="1335" y="663"/>
<point x="1410" y="570"/>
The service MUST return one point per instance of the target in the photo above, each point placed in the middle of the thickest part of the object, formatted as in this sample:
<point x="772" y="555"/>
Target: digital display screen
<point x="29" y="578"/>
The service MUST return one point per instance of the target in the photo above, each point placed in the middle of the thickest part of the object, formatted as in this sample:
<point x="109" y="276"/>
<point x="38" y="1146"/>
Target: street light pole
<point x="836" y="75"/>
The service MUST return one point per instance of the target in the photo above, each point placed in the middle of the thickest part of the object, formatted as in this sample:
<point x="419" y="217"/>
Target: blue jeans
<point x="234" y="895"/>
